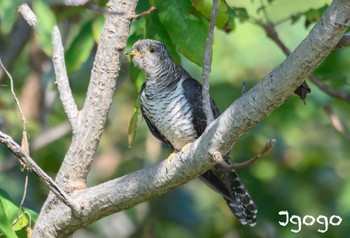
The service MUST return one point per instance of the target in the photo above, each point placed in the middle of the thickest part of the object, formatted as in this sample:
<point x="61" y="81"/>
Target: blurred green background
<point x="305" y="173"/>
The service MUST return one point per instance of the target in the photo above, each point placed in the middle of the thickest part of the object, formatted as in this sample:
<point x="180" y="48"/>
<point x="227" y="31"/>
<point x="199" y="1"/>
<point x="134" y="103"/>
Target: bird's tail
<point x="241" y="203"/>
<point x="229" y="185"/>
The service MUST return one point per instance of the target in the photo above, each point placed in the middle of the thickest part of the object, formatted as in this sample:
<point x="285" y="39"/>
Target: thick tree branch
<point x="272" y="91"/>
<point x="77" y="162"/>
<point x="92" y="117"/>
<point x="62" y="81"/>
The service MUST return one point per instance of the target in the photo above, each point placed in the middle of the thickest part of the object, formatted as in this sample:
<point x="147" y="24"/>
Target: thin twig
<point x="272" y="34"/>
<point x="31" y="166"/>
<point x="330" y="91"/>
<point x="22" y="200"/>
<point x="244" y="84"/>
<point x="263" y="9"/>
<point x="23" y="119"/>
<point x="45" y="138"/>
<point x="24" y="193"/>
<point x="28" y="15"/>
<point x="134" y="15"/>
<point x="207" y="64"/>
<point x="62" y="80"/>
<point x="220" y="160"/>
<point x="25" y="140"/>
<point x="336" y="123"/>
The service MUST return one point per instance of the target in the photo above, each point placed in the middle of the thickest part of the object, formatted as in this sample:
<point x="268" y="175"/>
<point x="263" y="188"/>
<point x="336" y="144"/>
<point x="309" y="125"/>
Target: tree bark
<point x="91" y="119"/>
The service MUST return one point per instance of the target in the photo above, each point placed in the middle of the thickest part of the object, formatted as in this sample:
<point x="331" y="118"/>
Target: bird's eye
<point x="152" y="50"/>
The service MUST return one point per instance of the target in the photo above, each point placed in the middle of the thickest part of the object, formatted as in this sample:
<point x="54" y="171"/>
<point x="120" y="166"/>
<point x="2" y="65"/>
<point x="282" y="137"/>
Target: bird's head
<point x="149" y="55"/>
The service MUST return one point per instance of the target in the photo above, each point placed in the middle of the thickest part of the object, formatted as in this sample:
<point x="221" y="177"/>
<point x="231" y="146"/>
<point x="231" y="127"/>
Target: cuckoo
<point x="171" y="104"/>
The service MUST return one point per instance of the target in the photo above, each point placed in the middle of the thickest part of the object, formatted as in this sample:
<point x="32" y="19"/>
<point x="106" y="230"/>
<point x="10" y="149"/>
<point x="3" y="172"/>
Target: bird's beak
<point x="132" y="53"/>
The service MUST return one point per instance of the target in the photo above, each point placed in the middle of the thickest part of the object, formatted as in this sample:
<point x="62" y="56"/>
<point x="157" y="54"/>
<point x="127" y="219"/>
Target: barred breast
<point x="171" y="113"/>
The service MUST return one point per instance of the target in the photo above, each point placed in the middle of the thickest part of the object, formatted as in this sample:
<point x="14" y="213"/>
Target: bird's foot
<point x="186" y="146"/>
<point x="171" y="156"/>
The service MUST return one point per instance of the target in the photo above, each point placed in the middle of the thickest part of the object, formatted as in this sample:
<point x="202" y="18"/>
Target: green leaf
<point x="155" y="30"/>
<point x="97" y="26"/>
<point x="8" y="15"/>
<point x="80" y="48"/>
<point x="142" y="6"/>
<point x="26" y="231"/>
<point x="133" y="122"/>
<point x="47" y="21"/>
<point x="21" y="222"/>
<point x="8" y="213"/>
<point x="223" y="20"/>
<point x="313" y="15"/>
<point x="187" y="29"/>
<point x="238" y="12"/>
<point x="137" y="78"/>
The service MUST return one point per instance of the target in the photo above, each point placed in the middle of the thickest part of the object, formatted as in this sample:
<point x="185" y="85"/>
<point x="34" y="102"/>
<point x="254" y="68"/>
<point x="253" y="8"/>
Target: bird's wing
<point x="193" y="93"/>
<point x="220" y="179"/>
<point x="152" y="127"/>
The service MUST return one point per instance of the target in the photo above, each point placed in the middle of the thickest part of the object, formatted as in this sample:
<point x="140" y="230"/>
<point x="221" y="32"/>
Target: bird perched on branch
<point x="171" y="103"/>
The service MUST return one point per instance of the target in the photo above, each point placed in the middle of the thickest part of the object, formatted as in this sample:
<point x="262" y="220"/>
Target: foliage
<point x="305" y="173"/>
<point x="12" y="222"/>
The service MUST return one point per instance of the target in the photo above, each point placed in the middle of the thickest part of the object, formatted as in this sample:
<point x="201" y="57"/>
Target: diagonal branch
<point x="330" y="91"/>
<point x="31" y="166"/>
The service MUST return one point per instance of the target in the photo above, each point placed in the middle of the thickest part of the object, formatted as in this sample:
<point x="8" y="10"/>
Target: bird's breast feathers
<point x="171" y="113"/>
